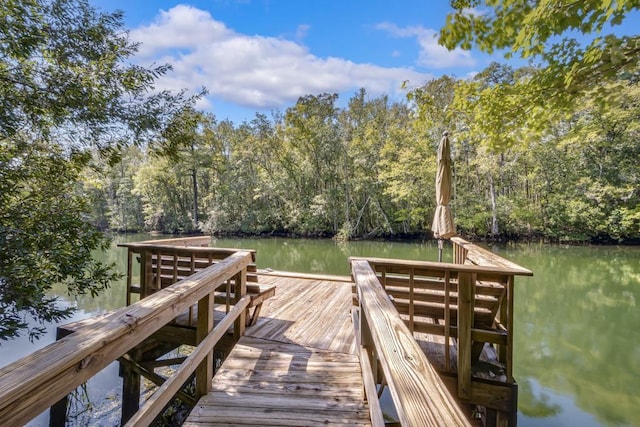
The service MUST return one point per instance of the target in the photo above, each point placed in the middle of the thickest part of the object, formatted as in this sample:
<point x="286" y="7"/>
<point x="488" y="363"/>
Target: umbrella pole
<point x="440" y="247"/>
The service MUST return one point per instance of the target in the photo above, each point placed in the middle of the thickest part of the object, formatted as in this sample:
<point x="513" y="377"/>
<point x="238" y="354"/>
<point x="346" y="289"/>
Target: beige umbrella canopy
<point x="443" y="226"/>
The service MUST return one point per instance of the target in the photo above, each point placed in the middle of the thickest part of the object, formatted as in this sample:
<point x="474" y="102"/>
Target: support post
<point x="130" y="391"/>
<point x="58" y="411"/>
<point x="240" y="290"/>
<point x="204" y="371"/>
<point x="466" y="291"/>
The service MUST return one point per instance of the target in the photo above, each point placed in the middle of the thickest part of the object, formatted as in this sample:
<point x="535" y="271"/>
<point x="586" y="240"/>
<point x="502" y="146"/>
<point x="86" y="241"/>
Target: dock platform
<point x="280" y="374"/>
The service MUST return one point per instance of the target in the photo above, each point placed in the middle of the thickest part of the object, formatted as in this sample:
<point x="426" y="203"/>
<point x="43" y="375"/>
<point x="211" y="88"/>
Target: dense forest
<point x="368" y="170"/>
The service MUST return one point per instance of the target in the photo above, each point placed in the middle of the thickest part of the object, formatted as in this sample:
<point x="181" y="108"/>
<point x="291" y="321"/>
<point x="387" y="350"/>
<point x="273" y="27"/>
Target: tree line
<point x="368" y="169"/>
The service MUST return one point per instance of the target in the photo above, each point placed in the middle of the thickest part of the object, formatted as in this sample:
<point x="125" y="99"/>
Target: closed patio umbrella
<point x="443" y="226"/>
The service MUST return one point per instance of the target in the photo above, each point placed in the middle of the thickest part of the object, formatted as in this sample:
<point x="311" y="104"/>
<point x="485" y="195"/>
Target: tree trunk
<point x="195" y="197"/>
<point x="494" y="209"/>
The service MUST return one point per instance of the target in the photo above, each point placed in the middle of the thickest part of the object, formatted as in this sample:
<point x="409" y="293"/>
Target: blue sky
<point x="261" y="55"/>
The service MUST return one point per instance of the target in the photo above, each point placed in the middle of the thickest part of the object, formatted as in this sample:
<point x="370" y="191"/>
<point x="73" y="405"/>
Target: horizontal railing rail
<point x="177" y="241"/>
<point x="419" y="395"/>
<point x="164" y="262"/>
<point x="465" y="252"/>
<point x="36" y="382"/>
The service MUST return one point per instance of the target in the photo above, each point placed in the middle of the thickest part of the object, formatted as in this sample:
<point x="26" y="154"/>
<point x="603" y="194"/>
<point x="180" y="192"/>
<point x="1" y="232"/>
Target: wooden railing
<point x="164" y="262"/>
<point x="470" y="301"/>
<point x="34" y="383"/>
<point x="419" y="395"/>
<point x="467" y="253"/>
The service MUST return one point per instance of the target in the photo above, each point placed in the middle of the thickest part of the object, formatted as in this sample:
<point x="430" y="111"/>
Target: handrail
<point x="35" y="382"/>
<point x="184" y="249"/>
<point x="470" y="300"/>
<point x="482" y="257"/>
<point x="419" y="395"/>
<point x="446" y="266"/>
<point x="177" y="241"/>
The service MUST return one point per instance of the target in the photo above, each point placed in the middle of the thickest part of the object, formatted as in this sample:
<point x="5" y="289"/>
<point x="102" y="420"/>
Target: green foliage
<point x="604" y="65"/>
<point x="46" y="240"/>
<point x="66" y="88"/>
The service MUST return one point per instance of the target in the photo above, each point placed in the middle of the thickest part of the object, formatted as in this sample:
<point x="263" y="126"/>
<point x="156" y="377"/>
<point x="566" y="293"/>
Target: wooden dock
<point x="300" y="349"/>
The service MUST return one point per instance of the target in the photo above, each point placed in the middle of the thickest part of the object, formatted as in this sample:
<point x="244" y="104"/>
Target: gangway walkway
<point x="296" y="366"/>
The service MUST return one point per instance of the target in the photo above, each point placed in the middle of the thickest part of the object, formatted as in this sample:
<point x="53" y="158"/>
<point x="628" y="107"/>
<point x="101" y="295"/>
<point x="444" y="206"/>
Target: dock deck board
<point x="296" y="366"/>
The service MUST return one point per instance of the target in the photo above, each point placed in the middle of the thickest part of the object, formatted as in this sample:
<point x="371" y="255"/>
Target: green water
<point x="577" y="327"/>
<point x="577" y="336"/>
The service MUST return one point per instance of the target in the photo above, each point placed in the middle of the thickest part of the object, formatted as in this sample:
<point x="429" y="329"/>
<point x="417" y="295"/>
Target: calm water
<point x="577" y="348"/>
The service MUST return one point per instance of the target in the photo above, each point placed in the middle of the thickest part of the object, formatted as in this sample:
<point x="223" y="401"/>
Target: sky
<point x="262" y="55"/>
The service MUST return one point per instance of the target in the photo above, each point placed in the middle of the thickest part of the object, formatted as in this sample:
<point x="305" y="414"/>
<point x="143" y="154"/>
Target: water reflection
<point x="327" y="256"/>
<point x="577" y="334"/>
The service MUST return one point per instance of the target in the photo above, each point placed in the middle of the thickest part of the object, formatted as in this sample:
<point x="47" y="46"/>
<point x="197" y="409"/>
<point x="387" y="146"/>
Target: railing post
<point x="129" y="272"/>
<point x="411" y="300"/>
<point x="366" y="341"/>
<point x="240" y="291"/>
<point x="447" y="321"/>
<point x="146" y="273"/>
<point x="466" y="292"/>
<point x="507" y="353"/>
<point x="204" y="371"/>
<point x="158" y="277"/>
<point x="459" y="253"/>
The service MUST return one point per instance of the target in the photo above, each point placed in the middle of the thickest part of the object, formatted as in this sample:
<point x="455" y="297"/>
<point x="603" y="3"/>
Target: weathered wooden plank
<point x="287" y="388"/>
<point x="420" y="397"/>
<point x="185" y="251"/>
<point x="481" y="256"/>
<point x="301" y="402"/>
<point x="419" y="297"/>
<point x="287" y="416"/>
<point x="306" y="276"/>
<point x="264" y="382"/>
<point x="485" y="288"/>
<point x="176" y="241"/>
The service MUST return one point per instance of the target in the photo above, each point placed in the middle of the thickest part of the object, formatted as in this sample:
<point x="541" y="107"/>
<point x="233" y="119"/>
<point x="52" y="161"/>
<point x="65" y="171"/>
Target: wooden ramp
<point x="297" y="366"/>
<point x="267" y="383"/>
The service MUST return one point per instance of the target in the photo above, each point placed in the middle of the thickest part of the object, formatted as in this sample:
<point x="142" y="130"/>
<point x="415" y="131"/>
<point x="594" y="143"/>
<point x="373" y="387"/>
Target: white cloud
<point x="431" y="55"/>
<point x="252" y="71"/>
<point x="302" y="31"/>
